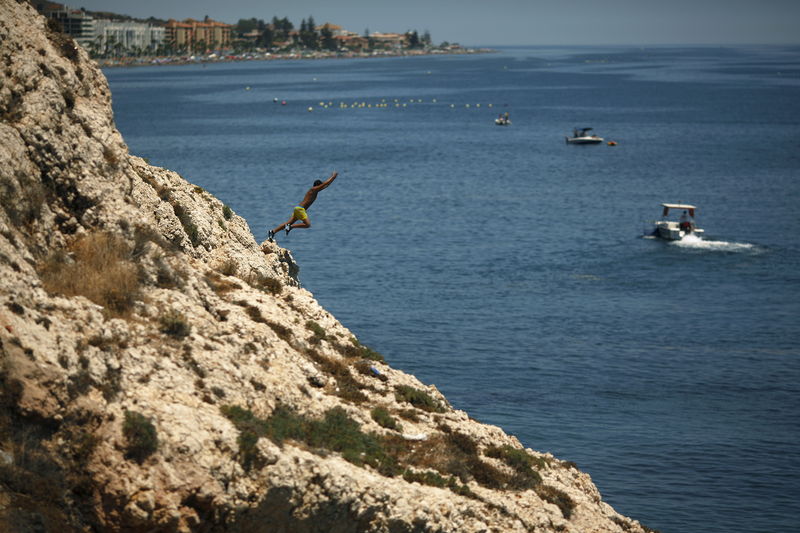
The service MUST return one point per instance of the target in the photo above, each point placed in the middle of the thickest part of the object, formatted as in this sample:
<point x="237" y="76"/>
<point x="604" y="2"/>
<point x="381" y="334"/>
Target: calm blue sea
<point x="509" y="268"/>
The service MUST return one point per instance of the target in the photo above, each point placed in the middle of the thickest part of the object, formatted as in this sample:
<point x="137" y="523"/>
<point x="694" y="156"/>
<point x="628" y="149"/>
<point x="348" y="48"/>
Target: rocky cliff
<point x="162" y="371"/>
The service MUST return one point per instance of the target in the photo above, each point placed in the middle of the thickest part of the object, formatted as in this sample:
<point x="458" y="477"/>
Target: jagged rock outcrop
<point x="162" y="371"/>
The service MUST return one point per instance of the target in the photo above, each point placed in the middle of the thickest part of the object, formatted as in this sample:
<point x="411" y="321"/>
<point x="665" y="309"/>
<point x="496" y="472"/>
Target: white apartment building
<point x="127" y="36"/>
<point x="101" y="35"/>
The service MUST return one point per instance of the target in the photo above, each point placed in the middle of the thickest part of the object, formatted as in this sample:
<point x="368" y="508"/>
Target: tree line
<point x="308" y="36"/>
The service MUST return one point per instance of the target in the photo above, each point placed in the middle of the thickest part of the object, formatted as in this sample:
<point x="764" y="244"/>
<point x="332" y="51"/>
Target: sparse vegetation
<point x="186" y="221"/>
<point x="318" y="332"/>
<point x="255" y="313"/>
<point x="365" y="352"/>
<point x="282" y="331"/>
<point x="347" y="387"/>
<point x="97" y="266"/>
<point x="264" y="283"/>
<point x="384" y="419"/>
<point x="364" y="368"/>
<point x="434" y="479"/>
<point x="140" y="436"/>
<point x="521" y="462"/>
<point x="336" y="431"/>
<point x="166" y="276"/>
<point x="357" y="350"/>
<point x="219" y="285"/>
<point x="450" y="454"/>
<point x="22" y="204"/>
<point x="174" y="324"/>
<point x="227" y="212"/>
<point x="558" y="497"/>
<point x="418" y="398"/>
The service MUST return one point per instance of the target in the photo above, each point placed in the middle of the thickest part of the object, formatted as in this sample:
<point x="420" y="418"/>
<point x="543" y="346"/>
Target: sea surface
<point x="511" y="270"/>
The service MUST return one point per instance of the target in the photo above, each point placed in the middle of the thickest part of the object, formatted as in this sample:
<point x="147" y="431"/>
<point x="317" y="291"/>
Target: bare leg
<point x="281" y="226"/>
<point x="302" y="224"/>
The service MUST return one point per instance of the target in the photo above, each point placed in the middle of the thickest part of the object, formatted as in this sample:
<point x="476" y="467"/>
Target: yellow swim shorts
<point x="300" y="213"/>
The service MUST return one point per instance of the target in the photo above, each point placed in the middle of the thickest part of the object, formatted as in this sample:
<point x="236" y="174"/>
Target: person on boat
<point x="299" y="218"/>
<point x="685" y="222"/>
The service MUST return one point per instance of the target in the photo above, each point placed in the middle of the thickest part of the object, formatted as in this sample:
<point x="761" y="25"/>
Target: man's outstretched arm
<point x="327" y="182"/>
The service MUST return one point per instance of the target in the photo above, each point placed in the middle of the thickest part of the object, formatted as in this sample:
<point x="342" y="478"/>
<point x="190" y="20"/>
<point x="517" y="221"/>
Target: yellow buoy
<point x="310" y="109"/>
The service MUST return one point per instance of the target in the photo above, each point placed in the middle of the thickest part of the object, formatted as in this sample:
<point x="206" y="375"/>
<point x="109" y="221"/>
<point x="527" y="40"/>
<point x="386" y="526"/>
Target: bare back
<point x="309" y="198"/>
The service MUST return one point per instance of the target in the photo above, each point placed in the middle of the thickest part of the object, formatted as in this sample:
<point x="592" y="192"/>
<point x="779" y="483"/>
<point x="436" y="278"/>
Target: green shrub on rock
<point x="140" y="436"/>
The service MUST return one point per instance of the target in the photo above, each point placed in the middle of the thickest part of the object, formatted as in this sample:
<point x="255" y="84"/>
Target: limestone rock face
<point x="160" y="370"/>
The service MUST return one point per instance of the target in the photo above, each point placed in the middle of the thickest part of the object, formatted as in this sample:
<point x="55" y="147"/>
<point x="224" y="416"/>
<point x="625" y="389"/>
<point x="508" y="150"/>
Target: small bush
<point x="359" y="350"/>
<point x="384" y="419"/>
<point x="166" y="276"/>
<point x="317" y="330"/>
<point x="186" y="221"/>
<point x="525" y="477"/>
<point x="140" y="435"/>
<point x="227" y="212"/>
<point x="347" y="387"/>
<point x="219" y="285"/>
<point x="557" y="497"/>
<point x="255" y="314"/>
<point x="174" y="324"/>
<point x="281" y="331"/>
<point x="265" y="283"/>
<point x="418" y="398"/>
<point x="412" y="415"/>
<point x="433" y="479"/>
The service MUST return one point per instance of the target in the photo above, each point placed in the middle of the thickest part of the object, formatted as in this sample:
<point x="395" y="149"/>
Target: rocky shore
<point x="161" y="371"/>
<point x="278" y="56"/>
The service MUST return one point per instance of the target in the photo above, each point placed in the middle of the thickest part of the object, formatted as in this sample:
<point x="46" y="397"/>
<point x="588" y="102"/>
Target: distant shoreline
<point x="280" y="56"/>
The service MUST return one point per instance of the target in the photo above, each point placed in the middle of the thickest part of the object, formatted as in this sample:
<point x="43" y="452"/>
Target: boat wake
<point x="696" y="243"/>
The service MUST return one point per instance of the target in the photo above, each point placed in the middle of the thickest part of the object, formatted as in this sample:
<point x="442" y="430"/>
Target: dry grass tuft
<point x="99" y="267"/>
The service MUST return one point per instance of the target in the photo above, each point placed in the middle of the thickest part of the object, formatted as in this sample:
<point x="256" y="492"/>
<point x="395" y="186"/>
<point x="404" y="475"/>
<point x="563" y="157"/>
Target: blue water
<point x="509" y="268"/>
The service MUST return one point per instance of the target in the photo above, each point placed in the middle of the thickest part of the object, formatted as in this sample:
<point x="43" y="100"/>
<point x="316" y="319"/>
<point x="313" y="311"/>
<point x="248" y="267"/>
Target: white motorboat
<point x="582" y="136"/>
<point x="675" y="230"/>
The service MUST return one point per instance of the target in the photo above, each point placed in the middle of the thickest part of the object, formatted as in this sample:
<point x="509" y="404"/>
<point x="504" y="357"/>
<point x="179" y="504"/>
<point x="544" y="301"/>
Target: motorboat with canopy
<point x="675" y="230"/>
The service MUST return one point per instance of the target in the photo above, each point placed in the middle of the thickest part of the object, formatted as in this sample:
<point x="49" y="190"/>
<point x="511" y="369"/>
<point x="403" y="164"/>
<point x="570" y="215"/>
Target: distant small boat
<point x="675" y="230"/>
<point x="582" y="136"/>
<point x="503" y="120"/>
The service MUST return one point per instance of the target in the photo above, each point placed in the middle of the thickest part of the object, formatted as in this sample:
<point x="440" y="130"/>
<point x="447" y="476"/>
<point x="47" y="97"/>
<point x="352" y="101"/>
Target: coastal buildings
<point x="193" y="35"/>
<point x="112" y="37"/>
<point x="75" y="22"/>
<point x="104" y="35"/>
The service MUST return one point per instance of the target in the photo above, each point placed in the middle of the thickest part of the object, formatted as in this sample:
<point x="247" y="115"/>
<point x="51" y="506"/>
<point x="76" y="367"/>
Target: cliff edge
<point x="160" y="370"/>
